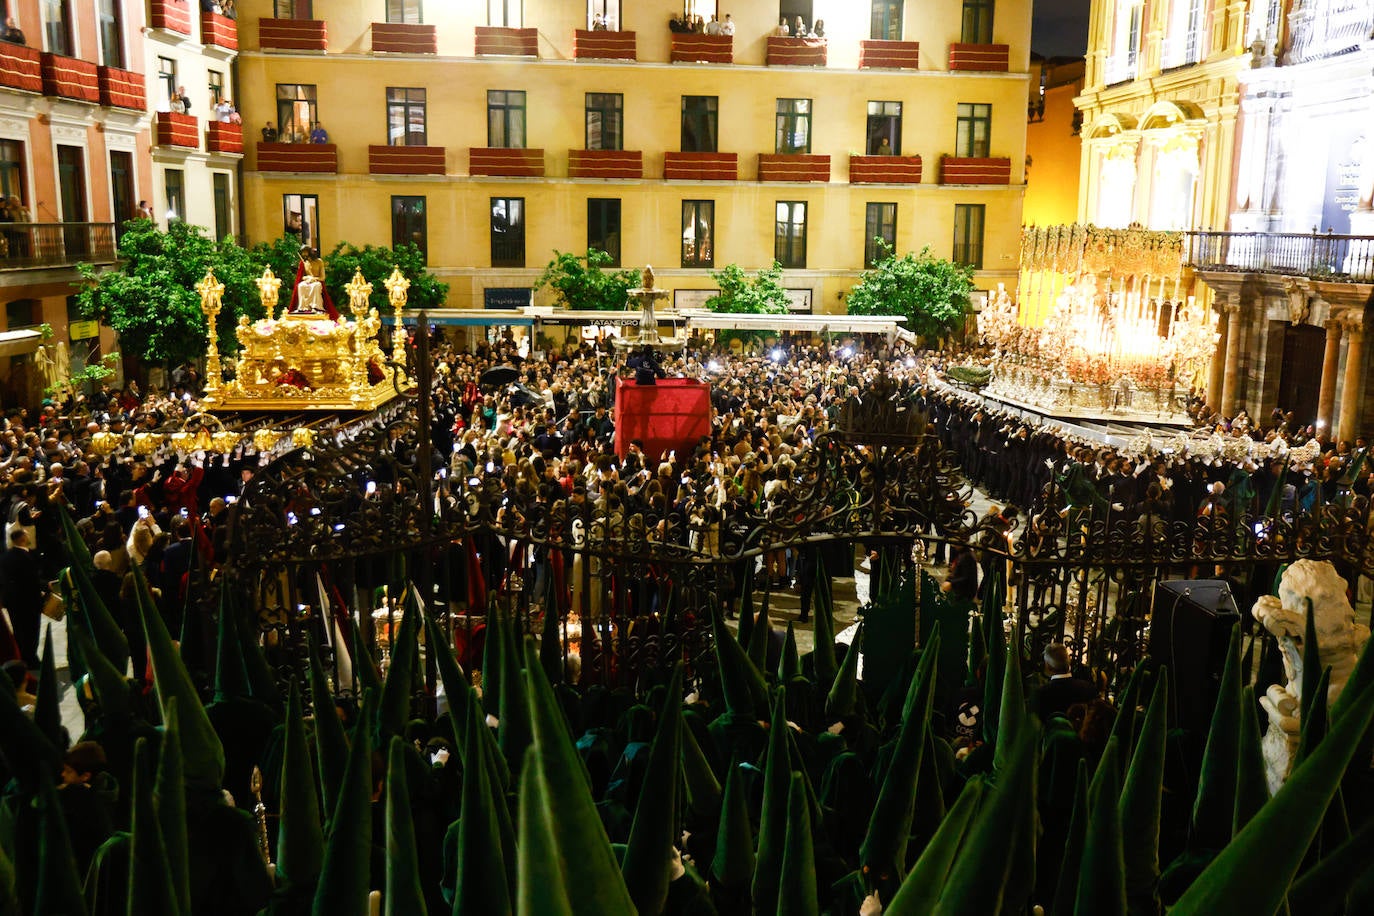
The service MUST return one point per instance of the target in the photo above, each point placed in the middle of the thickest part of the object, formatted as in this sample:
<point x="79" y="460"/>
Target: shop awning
<point x="17" y="343"/>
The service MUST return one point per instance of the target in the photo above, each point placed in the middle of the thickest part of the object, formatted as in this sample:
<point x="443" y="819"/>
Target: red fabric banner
<point x="671" y="415"/>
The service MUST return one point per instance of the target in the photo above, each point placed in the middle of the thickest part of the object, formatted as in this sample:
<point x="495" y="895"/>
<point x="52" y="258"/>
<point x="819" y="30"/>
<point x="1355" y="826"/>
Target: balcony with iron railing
<point x="55" y="244"/>
<point x="1119" y="68"/>
<point x="1341" y="258"/>
<point x="1325" y="30"/>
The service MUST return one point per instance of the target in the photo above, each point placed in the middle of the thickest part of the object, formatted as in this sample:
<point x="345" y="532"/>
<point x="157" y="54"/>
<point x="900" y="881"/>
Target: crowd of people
<point x="761" y="725"/>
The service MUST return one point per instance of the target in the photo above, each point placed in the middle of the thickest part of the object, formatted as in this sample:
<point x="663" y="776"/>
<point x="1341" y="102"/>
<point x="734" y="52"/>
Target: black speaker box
<point x="1189" y="630"/>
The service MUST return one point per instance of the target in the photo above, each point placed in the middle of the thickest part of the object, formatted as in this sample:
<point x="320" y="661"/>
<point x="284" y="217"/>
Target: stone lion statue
<point x="1339" y="637"/>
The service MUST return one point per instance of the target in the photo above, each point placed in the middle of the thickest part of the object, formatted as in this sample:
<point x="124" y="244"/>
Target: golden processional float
<point x="302" y="359"/>
<point x="1103" y="326"/>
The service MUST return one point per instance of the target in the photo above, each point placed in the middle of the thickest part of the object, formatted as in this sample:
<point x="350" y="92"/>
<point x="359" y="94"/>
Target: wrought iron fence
<point x="55" y="244"/>
<point x="1311" y="255"/>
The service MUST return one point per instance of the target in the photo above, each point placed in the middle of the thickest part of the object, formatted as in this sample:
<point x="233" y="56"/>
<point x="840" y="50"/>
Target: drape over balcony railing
<point x="55" y="244"/>
<point x="1340" y="257"/>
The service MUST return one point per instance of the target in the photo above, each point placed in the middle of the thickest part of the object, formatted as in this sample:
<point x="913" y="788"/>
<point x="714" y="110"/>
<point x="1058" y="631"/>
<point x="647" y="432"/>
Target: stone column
<point x="1351" y="394"/>
<point x="1231" y="376"/>
<point x="1217" y="369"/>
<point x="1326" y="399"/>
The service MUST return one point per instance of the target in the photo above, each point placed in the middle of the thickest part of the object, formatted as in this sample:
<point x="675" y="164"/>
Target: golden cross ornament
<point x="211" y="291"/>
<point x="358" y="290"/>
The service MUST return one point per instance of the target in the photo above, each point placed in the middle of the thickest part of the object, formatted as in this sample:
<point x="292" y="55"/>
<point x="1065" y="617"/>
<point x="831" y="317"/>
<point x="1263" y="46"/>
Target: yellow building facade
<point x="1053" y="145"/>
<point x="905" y="121"/>
<point x="1159" y="108"/>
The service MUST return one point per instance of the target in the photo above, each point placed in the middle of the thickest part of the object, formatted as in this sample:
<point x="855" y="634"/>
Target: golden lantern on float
<point x="106" y="443"/>
<point x="264" y="440"/>
<point x="148" y="443"/>
<point x="224" y="442"/>
<point x="303" y="437"/>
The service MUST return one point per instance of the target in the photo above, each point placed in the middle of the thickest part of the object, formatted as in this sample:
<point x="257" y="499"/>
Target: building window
<point x="974" y="130"/>
<point x="224" y="221"/>
<point x="292" y="9"/>
<point x="884" y="129"/>
<point x="22" y="313"/>
<point x="505" y="119"/>
<point x="699" y="123"/>
<point x="404" y="11"/>
<point x="887" y="21"/>
<point x="603" y="226"/>
<point x="301" y="218"/>
<point x="698" y="233"/>
<point x="405" y="117"/>
<point x="408" y="225"/>
<point x="603" y="15"/>
<point x="167" y="76"/>
<point x="296" y="112"/>
<point x="111" y="33"/>
<point x="793" y="134"/>
<point x="1124" y="51"/>
<point x="121" y="187"/>
<point x="174" y="184"/>
<point x="977" y="27"/>
<point x="216" y="86"/>
<point x="57" y="27"/>
<point x="789" y="234"/>
<point x="508" y="232"/>
<point x="605" y="120"/>
<point x="968" y="235"/>
<point x="505" y="14"/>
<point x="880" y="233"/>
<point x="71" y="183"/>
<point x="12" y="169"/>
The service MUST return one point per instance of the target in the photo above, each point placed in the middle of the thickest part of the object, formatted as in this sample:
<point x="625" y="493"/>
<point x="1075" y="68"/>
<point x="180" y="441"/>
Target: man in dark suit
<point x="23" y="590"/>
<point x="1062" y="690"/>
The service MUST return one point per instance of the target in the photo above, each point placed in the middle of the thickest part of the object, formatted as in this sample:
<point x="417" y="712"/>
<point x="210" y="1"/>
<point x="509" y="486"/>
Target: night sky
<point x="1060" y="27"/>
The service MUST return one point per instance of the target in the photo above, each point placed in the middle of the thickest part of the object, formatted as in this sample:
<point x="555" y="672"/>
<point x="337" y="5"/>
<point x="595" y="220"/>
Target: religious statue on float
<point x="308" y="296"/>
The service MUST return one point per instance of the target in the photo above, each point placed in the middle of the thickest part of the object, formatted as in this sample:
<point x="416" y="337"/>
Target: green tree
<point x="150" y="299"/>
<point x="763" y="294"/>
<point x="931" y="293"/>
<point x="582" y="282"/>
<point x="376" y="262"/>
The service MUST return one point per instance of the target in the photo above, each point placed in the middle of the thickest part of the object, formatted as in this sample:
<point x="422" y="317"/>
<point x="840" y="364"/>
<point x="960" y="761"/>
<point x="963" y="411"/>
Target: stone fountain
<point x="643" y="298"/>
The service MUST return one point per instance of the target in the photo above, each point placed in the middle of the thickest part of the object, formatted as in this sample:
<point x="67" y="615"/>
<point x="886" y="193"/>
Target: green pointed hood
<point x="1102" y="878"/>
<point x="654" y="831"/>
<point x="1311" y="662"/>
<point x="578" y="843"/>
<point x="110" y="688"/>
<point x="823" y="653"/>
<point x="543" y="886"/>
<point x="514" y="734"/>
<point x="201" y="751"/>
<point x="1123" y="729"/>
<point x="757" y="647"/>
<point x="1252" y="786"/>
<point x="92" y="613"/>
<point x="150" y="878"/>
<point x="484" y="873"/>
<point x="1274" y="504"/>
<point x="493" y="656"/>
<point x="789" y="666"/>
<point x="262" y="682"/>
<point x="1141" y="797"/>
<point x="47" y="713"/>
<point x="1011" y="711"/>
<point x="1216" y="791"/>
<point x="344" y="883"/>
<point x="996" y="666"/>
<point x="733" y="865"/>
<point x="972" y="886"/>
<point x="745" y="633"/>
<point x="170" y="792"/>
<point x="1324" y="886"/>
<point x="797" y="888"/>
<point x="844" y="691"/>
<point x="551" y="645"/>
<point x="231" y="674"/>
<point x="331" y="744"/>
<point x="1253" y="874"/>
<point x="703" y="788"/>
<point x="457" y="690"/>
<point x="300" y="838"/>
<point x="58" y="891"/>
<point x="977" y="655"/>
<point x="400" y="676"/>
<point x="1066" y="887"/>
<point x="919" y="894"/>
<point x="363" y="665"/>
<point x="777" y="776"/>
<point x="403" y="896"/>
<point x="882" y="855"/>
<point x="740" y="681"/>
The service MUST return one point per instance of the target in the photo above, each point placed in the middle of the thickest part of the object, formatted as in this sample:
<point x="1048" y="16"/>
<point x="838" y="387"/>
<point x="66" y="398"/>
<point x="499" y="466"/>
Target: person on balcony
<point x="799" y="28"/>
<point x="223" y="109"/>
<point x="319" y="134"/>
<point x="782" y="31"/>
<point x="728" y="26"/>
<point x="818" y="30"/>
<point x="185" y="100"/>
<point x="12" y="32"/>
<point x="713" y="27"/>
<point x="269" y="133"/>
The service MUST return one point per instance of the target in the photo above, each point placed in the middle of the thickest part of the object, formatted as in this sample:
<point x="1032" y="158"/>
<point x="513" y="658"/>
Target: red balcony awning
<point x="884" y="169"/>
<point x="405" y="38"/>
<point x="793" y="167"/>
